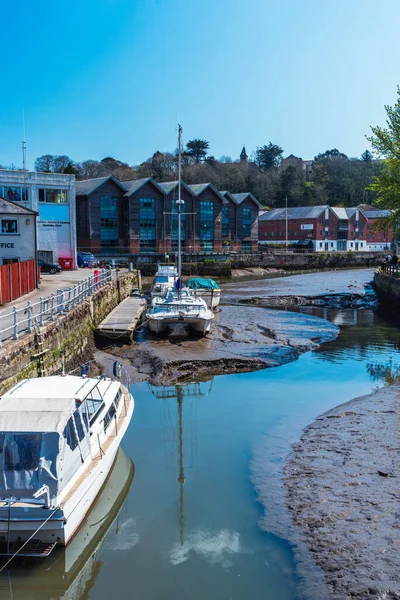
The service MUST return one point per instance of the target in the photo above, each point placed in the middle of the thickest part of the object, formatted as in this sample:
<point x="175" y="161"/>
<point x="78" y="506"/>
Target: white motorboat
<point x="59" y="437"/>
<point x="177" y="305"/>
<point x="71" y="571"/>
<point x="166" y="277"/>
<point x="179" y="308"/>
<point x="205" y="288"/>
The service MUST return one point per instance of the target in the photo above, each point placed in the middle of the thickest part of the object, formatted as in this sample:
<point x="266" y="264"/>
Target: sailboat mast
<point x="179" y="203"/>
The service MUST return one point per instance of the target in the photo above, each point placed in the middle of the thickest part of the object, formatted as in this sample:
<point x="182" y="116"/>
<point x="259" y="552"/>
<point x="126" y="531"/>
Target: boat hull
<point x="159" y="326"/>
<point x="211" y="297"/>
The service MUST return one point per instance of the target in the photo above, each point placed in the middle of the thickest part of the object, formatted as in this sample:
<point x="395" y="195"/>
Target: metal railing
<point x="390" y="269"/>
<point x="21" y="320"/>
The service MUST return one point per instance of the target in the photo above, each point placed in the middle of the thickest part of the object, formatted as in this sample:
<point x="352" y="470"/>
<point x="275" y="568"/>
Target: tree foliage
<point x="196" y="150"/>
<point x="49" y="163"/>
<point x="268" y="156"/>
<point x="386" y="143"/>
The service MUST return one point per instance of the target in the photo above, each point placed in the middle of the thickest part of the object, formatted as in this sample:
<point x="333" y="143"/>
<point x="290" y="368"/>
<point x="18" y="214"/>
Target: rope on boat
<point x="29" y="539"/>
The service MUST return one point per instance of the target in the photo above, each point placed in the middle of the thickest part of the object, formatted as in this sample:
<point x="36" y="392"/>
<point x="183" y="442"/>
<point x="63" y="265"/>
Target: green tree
<point x="197" y="150"/>
<point x="386" y="143"/>
<point x="331" y="154"/>
<point x="367" y="156"/>
<point x="268" y="156"/>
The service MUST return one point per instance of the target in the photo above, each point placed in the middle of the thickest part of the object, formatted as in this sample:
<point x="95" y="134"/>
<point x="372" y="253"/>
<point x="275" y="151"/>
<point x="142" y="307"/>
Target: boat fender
<point x="83" y="371"/>
<point x="117" y="370"/>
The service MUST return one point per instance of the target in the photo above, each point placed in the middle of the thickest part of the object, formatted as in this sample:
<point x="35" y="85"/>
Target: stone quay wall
<point x="300" y="262"/>
<point x="387" y="288"/>
<point x="68" y="340"/>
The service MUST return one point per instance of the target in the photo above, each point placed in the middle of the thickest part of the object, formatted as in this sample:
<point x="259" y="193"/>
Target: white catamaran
<point x="59" y="437"/>
<point x="166" y="277"/>
<point x="178" y="305"/>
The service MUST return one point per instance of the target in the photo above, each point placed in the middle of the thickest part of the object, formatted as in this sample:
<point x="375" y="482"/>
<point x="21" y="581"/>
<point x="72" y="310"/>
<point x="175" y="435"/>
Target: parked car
<point x="48" y="267"/>
<point x="87" y="259"/>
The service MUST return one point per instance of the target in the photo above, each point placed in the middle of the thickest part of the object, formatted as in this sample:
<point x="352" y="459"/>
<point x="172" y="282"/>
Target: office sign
<point x="306" y="226"/>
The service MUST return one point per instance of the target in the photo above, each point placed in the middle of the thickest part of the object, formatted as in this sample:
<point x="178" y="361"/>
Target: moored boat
<point x="59" y="437"/>
<point x="165" y="279"/>
<point x="179" y="308"/>
<point x="205" y="288"/>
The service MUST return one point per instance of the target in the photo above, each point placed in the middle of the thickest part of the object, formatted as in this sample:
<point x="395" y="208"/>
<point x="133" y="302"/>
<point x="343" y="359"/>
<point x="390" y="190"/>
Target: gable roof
<point x="168" y="186"/>
<point x="135" y="184"/>
<point x="198" y="188"/>
<point x="239" y="198"/>
<point x="377" y="214"/>
<point x="14" y="208"/>
<point x="298" y="212"/>
<point x="88" y="186"/>
<point x="228" y="196"/>
<point x="340" y="212"/>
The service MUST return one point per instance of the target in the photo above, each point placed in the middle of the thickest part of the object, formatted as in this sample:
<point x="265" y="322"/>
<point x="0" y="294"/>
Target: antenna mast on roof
<point x="23" y="143"/>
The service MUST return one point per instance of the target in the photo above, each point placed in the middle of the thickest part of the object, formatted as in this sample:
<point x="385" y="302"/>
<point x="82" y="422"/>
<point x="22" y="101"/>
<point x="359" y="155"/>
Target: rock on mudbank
<point x="342" y="482"/>
<point x="242" y="339"/>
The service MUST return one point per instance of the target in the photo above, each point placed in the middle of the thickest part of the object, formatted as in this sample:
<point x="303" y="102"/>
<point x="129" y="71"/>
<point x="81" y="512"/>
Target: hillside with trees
<point x="336" y="178"/>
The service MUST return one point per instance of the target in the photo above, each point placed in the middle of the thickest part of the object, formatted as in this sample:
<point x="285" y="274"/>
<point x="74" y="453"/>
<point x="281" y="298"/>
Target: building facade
<point x="52" y="196"/>
<point x="141" y="217"/>
<point x="332" y="229"/>
<point x="17" y="232"/>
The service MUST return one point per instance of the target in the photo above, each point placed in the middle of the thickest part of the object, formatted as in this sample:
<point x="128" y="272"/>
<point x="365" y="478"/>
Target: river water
<point x="204" y="515"/>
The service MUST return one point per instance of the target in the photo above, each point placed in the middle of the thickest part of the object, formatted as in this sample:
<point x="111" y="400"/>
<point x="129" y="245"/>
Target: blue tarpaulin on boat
<point x="198" y="283"/>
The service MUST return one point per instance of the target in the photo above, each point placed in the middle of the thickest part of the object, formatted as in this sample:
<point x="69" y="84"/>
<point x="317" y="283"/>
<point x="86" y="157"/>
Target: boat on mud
<point x="179" y="308"/>
<point x="205" y="288"/>
<point x="178" y="305"/>
<point x="59" y="437"/>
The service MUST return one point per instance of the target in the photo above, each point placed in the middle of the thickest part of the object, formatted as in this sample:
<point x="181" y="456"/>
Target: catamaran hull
<point x="159" y="326"/>
<point x="61" y="526"/>
<point x="211" y="297"/>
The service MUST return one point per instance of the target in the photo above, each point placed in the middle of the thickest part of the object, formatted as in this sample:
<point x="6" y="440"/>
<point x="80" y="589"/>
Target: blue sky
<point x="103" y="78"/>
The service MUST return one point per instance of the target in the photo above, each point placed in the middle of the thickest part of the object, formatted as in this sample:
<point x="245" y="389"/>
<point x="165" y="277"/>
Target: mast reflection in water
<point x="70" y="573"/>
<point x="189" y="390"/>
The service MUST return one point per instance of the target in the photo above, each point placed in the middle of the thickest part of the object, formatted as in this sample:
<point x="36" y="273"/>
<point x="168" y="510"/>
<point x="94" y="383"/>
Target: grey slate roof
<point x="197" y="188"/>
<point x="340" y="212"/>
<point x="7" y="207"/>
<point x="298" y="212"/>
<point x="135" y="184"/>
<point x="377" y="214"/>
<point x="88" y="186"/>
<point x="168" y="186"/>
<point x="239" y="198"/>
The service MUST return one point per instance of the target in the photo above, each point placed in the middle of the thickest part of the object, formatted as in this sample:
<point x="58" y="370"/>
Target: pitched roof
<point x="14" y="208"/>
<point x="198" y="188"/>
<point x="377" y="214"/>
<point x="135" y="184"/>
<point x="239" y="198"/>
<point x="340" y="212"/>
<point x="168" y="186"/>
<point x="298" y="212"/>
<point x="88" y="186"/>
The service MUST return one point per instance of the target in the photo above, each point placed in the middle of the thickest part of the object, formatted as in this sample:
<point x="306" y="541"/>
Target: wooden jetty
<point x="122" y="321"/>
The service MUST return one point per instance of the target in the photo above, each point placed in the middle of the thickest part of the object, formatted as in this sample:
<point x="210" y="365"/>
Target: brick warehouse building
<point x="140" y="216"/>
<point x="327" y="228"/>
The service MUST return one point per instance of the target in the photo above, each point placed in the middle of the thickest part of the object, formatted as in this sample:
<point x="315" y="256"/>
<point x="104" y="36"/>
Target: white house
<point x="17" y="232"/>
<point x="52" y="196"/>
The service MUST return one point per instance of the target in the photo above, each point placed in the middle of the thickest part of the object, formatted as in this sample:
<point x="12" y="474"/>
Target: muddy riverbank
<point x="242" y="339"/>
<point x="331" y="289"/>
<point x="342" y="482"/>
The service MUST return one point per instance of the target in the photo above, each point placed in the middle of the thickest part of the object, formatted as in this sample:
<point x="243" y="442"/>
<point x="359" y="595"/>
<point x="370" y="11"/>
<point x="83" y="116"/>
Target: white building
<point x="17" y="233"/>
<point x="52" y="196"/>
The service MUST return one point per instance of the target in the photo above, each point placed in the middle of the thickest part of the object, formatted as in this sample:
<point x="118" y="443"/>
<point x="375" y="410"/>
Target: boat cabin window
<point x="20" y="451"/>
<point x="162" y="279"/>
<point x="112" y="410"/>
<point x="69" y="431"/>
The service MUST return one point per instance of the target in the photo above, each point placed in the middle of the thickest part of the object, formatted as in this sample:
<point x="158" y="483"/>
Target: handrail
<point x="390" y="269"/>
<point x="21" y="320"/>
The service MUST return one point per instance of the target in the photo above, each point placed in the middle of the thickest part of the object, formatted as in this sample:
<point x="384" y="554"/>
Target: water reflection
<point x="192" y="391"/>
<point x="70" y="573"/>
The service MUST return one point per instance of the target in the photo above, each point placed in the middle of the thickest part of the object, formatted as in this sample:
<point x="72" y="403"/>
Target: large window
<point x="147" y="224"/>
<point x="246" y="222"/>
<point x="9" y="226"/>
<point x="53" y="196"/>
<point x="174" y="227"/>
<point x="15" y="194"/>
<point x="108" y="223"/>
<point x="206" y="225"/>
<point x="225" y="221"/>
